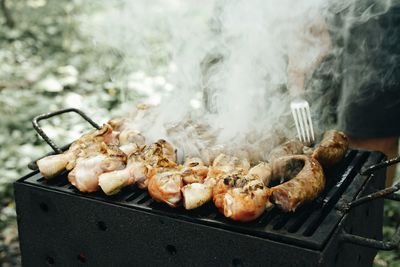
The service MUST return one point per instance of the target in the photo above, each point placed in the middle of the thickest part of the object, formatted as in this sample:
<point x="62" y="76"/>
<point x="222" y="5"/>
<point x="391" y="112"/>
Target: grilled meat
<point x="166" y="187"/>
<point x="194" y="171"/>
<point x="241" y="197"/>
<point x="85" y="175"/>
<point x="222" y="164"/>
<point x="86" y="146"/>
<point x="306" y="181"/>
<point x="142" y="165"/>
<point x="332" y="148"/>
<point x="291" y="147"/>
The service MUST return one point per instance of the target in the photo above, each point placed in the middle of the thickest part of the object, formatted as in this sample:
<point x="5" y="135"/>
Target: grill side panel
<point x="64" y="230"/>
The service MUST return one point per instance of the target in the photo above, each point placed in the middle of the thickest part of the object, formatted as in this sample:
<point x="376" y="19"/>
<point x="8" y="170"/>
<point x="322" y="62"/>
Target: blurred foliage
<point x="47" y="64"/>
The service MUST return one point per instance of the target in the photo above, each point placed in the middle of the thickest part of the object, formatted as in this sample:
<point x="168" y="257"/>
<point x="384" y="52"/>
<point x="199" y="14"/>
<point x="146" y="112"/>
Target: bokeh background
<point x="49" y="60"/>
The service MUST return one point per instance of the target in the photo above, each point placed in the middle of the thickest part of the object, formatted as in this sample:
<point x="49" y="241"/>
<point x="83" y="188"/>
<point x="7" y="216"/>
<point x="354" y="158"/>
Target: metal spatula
<point x="302" y="118"/>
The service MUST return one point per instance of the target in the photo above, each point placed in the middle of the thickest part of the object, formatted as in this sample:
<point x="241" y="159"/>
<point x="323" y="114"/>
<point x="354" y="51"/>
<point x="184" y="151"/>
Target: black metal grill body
<point x="62" y="227"/>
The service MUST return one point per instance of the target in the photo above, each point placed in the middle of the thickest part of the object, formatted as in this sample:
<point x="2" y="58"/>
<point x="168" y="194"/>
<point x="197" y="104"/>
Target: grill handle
<point x="370" y="169"/>
<point x="388" y="193"/>
<point x="39" y="130"/>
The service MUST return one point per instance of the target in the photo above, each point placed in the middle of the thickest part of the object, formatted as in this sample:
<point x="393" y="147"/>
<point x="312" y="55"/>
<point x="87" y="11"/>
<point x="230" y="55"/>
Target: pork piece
<point x="291" y="147"/>
<point x="141" y="166"/>
<point x="194" y="171"/>
<point x="332" y="148"/>
<point x="241" y="197"/>
<point x="85" y="175"/>
<point x="197" y="194"/>
<point x="306" y="181"/>
<point x="166" y="187"/>
<point x="88" y="144"/>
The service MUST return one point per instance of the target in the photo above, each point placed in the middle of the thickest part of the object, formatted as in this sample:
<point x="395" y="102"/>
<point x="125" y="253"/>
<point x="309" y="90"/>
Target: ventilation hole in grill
<point x="359" y="258"/>
<point x="43" y="206"/>
<point x="82" y="257"/>
<point x="102" y="225"/>
<point x="171" y="249"/>
<point x="237" y="262"/>
<point x="161" y="221"/>
<point x="50" y="260"/>
<point x="134" y="196"/>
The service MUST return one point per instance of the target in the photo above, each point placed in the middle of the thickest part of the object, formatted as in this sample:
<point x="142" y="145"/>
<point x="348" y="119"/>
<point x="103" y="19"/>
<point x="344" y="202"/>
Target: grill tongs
<point x="387" y="193"/>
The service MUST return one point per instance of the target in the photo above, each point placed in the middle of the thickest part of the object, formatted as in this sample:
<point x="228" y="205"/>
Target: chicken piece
<point x="118" y="124"/>
<point x="332" y="148"/>
<point x="52" y="165"/>
<point x="262" y="171"/>
<point x="136" y="171"/>
<point x="87" y="145"/>
<point x="85" y="175"/>
<point x="241" y="197"/>
<point x="226" y="164"/>
<point x="166" y="187"/>
<point x="306" y="182"/>
<point x="247" y="203"/>
<point x="197" y="194"/>
<point x="128" y="136"/>
<point x="144" y="163"/>
<point x="291" y="147"/>
<point x="194" y="171"/>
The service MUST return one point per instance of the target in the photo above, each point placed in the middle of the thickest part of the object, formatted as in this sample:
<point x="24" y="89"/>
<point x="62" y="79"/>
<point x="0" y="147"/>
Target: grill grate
<point x="310" y="226"/>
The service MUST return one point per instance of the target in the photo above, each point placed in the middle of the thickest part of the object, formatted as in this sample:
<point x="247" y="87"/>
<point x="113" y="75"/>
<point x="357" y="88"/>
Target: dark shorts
<point x="369" y="104"/>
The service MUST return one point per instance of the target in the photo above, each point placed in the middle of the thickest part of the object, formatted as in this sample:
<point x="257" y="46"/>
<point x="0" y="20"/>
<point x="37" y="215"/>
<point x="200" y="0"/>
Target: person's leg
<point x="388" y="145"/>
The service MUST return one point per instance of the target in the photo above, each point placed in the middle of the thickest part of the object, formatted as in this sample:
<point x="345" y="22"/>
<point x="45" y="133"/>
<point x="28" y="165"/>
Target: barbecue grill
<point x="60" y="226"/>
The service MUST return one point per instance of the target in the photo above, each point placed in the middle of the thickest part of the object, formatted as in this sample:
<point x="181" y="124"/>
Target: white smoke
<point x="226" y="64"/>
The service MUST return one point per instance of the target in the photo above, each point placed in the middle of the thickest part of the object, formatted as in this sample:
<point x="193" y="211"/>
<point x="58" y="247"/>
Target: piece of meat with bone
<point x="85" y="175"/>
<point x="112" y="182"/>
<point x="166" y="187"/>
<point x="194" y="171"/>
<point x="86" y="145"/>
<point x="241" y="197"/>
<point x="332" y="148"/>
<point x="197" y="194"/>
<point x="306" y="181"/>
<point x="141" y="166"/>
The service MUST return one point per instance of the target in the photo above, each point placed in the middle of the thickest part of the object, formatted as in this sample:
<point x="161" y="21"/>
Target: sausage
<point x="306" y="182"/>
<point x="291" y="147"/>
<point x="332" y="148"/>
